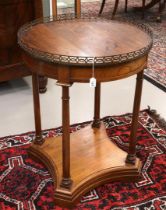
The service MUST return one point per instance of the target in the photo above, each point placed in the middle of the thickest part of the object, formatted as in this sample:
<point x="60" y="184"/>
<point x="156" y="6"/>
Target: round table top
<point x="80" y="41"/>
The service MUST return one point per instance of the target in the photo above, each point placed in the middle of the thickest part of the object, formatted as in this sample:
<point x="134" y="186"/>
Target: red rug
<point x="156" y="71"/>
<point x="27" y="185"/>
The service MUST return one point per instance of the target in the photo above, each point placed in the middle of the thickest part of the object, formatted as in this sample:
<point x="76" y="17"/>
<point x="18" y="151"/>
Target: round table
<point x="65" y="50"/>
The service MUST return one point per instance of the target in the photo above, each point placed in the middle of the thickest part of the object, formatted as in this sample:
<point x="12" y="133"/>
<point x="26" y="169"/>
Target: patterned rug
<point x="27" y="185"/>
<point x="156" y="71"/>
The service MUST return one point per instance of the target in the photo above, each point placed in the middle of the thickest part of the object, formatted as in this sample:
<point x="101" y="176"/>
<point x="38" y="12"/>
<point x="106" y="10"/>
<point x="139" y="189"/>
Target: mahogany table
<point x="64" y="49"/>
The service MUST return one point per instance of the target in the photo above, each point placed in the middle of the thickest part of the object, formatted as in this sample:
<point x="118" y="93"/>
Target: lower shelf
<point x="94" y="160"/>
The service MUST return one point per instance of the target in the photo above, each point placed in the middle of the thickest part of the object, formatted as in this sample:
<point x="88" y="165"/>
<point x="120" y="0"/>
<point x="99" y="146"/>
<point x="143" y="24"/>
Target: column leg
<point x="36" y="101"/>
<point x="96" y="121"/>
<point x="137" y="100"/>
<point x="66" y="179"/>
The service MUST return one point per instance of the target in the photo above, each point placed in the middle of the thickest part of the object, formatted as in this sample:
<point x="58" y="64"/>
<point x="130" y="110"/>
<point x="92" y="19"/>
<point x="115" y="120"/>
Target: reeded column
<point x="36" y="101"/>
<point x="131" y="157"/>
<point x="66" y="179"/>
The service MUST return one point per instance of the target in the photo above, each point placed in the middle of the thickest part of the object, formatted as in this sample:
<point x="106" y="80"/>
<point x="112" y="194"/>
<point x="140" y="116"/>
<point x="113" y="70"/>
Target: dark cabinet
<point x="13" y="14"/>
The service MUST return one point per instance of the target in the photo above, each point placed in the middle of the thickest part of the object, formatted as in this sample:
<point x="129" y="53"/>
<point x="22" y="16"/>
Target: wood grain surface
<point x="85" y="38"/>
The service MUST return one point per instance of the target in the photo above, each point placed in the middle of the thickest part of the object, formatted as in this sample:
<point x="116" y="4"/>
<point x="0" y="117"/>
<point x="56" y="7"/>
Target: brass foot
<point x="131" y="159"/>
<point x="39" y="140"/>
<point x="66" y="183"/>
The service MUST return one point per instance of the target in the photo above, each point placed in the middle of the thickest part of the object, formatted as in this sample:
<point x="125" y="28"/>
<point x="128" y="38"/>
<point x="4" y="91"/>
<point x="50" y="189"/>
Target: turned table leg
<point x="66" y="179"/>
<point x="131" y="157"/>
<point x="102" y="7"/>
<point x="115" y="8"/>
<point x="143" y="9"/>
<point x="36" y="100"/>
<point x="126" y="4"/>
<point x="96" y="121"/>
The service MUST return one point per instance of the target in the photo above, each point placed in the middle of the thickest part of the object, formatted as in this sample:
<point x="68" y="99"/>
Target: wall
<point x="46" y="7"/>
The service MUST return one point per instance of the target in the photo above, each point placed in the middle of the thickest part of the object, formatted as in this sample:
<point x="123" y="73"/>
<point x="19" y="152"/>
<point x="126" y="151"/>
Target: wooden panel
<point x="13" y="14"/>
<point x="13" y="71"/>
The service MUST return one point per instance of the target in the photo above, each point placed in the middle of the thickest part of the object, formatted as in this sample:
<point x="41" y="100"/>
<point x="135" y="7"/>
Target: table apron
<point x="68" y="74"/>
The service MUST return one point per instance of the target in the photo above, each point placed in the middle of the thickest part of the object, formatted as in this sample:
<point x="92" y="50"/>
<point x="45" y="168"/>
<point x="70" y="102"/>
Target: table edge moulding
<point x="84" y="159"/>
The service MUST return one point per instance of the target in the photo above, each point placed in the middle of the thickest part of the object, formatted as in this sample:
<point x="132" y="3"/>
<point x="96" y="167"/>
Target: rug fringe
<point x="159" y="120"/>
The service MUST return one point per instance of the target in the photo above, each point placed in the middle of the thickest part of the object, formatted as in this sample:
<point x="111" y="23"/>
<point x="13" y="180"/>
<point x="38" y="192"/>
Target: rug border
<point x="157" y="118"/>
